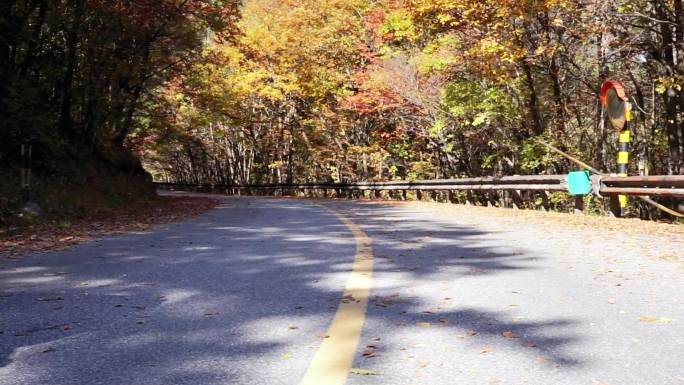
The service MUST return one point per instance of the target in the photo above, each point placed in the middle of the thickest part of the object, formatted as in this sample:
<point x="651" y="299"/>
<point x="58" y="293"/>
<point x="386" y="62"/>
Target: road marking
<point x="331" y="364"/>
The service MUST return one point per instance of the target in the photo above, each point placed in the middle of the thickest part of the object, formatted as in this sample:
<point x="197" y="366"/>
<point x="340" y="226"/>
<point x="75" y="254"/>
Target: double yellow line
<point x="332" y="362"/>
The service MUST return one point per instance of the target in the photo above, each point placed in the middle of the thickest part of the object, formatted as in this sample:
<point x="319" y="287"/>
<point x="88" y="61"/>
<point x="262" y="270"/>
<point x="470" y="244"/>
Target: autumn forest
<point x="341" y="90"/>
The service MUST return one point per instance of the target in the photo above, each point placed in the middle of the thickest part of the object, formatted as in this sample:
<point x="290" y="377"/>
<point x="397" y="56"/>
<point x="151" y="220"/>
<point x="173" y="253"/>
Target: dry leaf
<point x="509" y="335"/>
<point x="652" y="320"/>
<point x="53" y="298"/>
<point x="424" y="325"/>
<point x="486" y="349"/>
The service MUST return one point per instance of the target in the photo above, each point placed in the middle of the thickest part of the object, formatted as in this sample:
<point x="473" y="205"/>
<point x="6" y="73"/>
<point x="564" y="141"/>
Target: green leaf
<point x="364" y="372"/>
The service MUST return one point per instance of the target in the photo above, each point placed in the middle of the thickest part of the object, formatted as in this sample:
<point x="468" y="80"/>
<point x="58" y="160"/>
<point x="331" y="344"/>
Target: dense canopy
<point x="302" y="90"/>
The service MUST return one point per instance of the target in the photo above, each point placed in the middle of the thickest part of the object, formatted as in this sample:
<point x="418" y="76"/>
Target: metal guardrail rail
<point x="655" y="185"/>
<point x="513" y="187"/>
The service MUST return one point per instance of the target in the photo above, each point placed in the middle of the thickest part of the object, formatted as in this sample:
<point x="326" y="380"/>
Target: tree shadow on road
<point x="220" y="299"/>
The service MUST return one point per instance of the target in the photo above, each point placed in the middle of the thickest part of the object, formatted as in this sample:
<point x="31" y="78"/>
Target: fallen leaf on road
<point x="424" y="325"/>
<point x="364" y="372"/>
<point x="486" y="349"/>
<point x="137" y="217"/>
<point x="472" y="333"/>
<point x="668" y="257"/>
<point x="509" y="335"/>
<point x="54" y="298"/>
<point x="348" y="298"/>
<point x="293" y="327"/>
<point x="286" y="356"/>
<point x="652" y="320"/>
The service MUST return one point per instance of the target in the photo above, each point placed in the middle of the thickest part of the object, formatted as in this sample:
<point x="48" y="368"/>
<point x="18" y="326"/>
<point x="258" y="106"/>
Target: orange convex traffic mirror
<point x="614" y="99"/>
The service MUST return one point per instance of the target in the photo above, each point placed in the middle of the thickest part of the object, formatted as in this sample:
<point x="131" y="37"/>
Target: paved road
<point x="246" y="294"/>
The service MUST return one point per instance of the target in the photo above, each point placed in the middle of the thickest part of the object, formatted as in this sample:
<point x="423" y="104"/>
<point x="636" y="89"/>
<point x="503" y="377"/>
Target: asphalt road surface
<point x="277" y="291"/>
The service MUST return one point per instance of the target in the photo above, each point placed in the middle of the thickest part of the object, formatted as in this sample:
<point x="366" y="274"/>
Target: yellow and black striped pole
<point x="624" y="140"/>
<point x="615" y="101"/>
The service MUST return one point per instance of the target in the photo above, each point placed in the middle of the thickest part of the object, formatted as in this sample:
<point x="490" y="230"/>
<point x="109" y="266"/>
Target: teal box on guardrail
<point x="578" y="183"/>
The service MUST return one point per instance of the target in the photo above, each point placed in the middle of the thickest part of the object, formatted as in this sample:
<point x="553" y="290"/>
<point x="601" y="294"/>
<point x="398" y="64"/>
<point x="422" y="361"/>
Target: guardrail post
<point x="489" y="199"/>
<point x="451" y="196"/>
<point x="469" y="198"/>
<point x="517" y="200"/>
<point x="579" y="204"/>
<point x="545" y="201"/>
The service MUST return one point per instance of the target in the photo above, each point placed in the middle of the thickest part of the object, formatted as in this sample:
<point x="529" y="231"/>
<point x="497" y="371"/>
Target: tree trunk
<point x="532" y="103"/>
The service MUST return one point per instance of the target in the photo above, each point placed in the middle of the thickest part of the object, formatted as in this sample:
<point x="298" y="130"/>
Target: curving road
<point x="277" y="291"/>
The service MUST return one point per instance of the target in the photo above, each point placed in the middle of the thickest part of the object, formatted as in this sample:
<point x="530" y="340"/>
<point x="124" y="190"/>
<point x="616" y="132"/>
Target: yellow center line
<point x="331" y="364"/>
